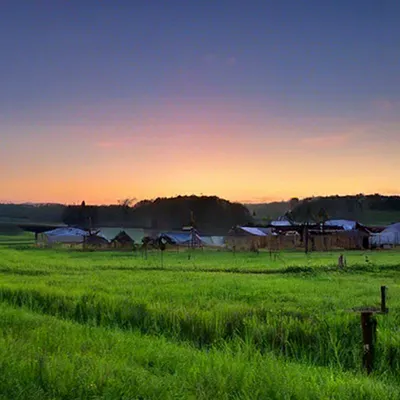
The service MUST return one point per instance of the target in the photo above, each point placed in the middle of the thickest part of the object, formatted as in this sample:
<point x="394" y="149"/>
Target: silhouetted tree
<point x="125" y="206"/>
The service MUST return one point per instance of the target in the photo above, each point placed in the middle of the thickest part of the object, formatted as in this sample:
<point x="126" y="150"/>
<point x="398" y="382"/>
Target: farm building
<point x="136" y="234"/>
<point x="281" y="221"/>
<point x="288" y="240"/>
<point x="179" y="239"/>
<point x="62" y="236"/>
<point x="346" y="225"/>
<point x="339" y="234"/>
<point x="389" y="237"/>
<point x="109" y="233"/>
<point x="95" y="242"/>
<point x="247" y="238"/>
<point x="334" y="234"/>
<point x="339" y="240"/>
<point x="122" y="241"/>
<point x="213" y="241"/>
<point x="122" y="237"/>
<point x="191" y="238"/>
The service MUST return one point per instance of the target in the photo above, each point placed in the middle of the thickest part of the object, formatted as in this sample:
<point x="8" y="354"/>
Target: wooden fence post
<point x="368" y="324"/>
<point x="383" y="299"/>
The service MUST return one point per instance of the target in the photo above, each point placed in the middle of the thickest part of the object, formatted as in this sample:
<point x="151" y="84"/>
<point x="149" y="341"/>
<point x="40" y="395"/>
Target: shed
<point x="191" y="238"/>
<point x="109" y="233"/>
<point x="125" y="235"/>
<point x="345" y="224"/>
<point x="281" y="221"/>
<point x="213" y="241"/>
<point x="246" y="238"/>
<point x="62" y="236"/>
<point x="122" y="240"/>
<point x="95" y="242"/>
<point x="136" y="234"/>
<point x="388" y="237"/>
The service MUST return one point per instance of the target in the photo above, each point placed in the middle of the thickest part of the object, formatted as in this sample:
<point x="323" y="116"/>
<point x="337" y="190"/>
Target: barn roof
<point x="347" y="225"/>
<point x="66" y="235"/>
<point x="252" y="231"/>
<point x="393" y="228"/>
<point x="66" y="231"/>
<point x="179" y="237"/>
<point x="216" y="241"/>
<point x="136" y="234"/>
<point x="281" y="223"/>
<point x="95" y="239"/>
<point x="391" y="235"/>
<point x="109" y="233"/>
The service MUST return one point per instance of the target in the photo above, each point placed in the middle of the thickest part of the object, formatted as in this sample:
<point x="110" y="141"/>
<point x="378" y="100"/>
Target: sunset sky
<point x="250" y="100"/>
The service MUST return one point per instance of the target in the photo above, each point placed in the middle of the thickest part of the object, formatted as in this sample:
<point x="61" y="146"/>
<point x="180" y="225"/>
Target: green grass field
<point x="118" y="325"/>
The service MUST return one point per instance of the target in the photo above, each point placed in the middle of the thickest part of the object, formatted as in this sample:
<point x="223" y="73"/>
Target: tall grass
<point x="70" y="306"/>
<point x="320" y="338"/>
<point x="44" y="358"/>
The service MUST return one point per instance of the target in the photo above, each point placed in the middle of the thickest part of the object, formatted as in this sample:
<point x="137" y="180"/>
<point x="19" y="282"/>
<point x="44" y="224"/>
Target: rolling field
<point x="117" y="325"/>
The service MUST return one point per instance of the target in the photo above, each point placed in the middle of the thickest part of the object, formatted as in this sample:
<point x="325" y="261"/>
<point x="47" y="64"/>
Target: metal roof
<point x="391" y="235"/>
<point x="253" y="231"/>
<point x="179" y="237"/>
<point x="136" y="234"/>
<point x="281" y="223"/>
<point x="217" y="241"/>
<point x="66" y="231"/>
<point x="109" y="233"/>
<point x="347" y="225"/>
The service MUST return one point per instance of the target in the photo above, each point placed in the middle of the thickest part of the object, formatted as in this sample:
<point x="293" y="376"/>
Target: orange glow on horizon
<point x="211" y="149"/>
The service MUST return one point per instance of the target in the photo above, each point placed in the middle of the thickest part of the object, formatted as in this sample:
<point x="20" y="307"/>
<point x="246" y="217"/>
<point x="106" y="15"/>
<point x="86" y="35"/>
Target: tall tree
<point x="125" y="205"/>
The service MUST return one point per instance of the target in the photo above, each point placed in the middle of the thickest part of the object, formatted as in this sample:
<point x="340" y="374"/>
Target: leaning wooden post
<point x="384" y="310"/>
<point x="368" y="324"/>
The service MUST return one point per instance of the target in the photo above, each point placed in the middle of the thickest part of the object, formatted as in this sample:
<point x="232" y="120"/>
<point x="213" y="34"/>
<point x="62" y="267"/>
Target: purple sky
<point x="243" y="99"/>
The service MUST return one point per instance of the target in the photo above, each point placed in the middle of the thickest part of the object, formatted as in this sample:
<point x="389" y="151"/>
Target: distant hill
<point x="368" y="209"/>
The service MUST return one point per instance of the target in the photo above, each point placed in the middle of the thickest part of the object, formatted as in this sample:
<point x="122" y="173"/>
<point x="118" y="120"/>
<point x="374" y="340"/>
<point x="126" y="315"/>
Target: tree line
<point x="206" y="213"/>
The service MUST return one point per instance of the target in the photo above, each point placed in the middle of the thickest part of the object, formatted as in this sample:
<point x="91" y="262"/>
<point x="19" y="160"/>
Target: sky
<point x="249" y="100"/>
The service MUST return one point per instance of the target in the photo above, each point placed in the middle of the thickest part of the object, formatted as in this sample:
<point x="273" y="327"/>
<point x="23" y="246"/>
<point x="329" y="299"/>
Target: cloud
<point x="325" y="141"/>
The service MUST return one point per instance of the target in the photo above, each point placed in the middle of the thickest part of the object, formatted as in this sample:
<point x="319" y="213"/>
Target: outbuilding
<point x="389" y="237"/>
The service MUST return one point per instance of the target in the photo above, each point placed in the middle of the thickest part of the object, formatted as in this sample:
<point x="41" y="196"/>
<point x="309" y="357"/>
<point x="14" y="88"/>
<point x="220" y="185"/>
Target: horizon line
<point x="265" y="200"/>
